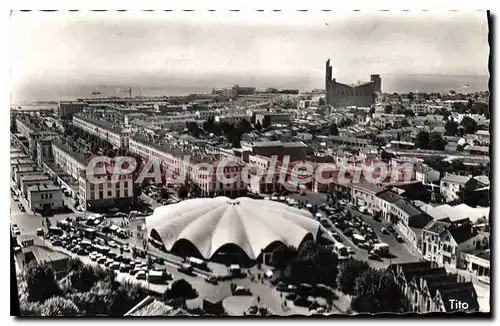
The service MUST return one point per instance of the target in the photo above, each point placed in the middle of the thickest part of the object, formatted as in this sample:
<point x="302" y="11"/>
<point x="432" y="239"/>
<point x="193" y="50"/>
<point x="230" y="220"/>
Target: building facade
<point x="362" y="95"/>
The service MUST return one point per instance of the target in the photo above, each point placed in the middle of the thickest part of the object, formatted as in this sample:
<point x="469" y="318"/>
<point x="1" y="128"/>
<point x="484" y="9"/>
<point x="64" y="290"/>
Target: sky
<point x="58" y="54"/>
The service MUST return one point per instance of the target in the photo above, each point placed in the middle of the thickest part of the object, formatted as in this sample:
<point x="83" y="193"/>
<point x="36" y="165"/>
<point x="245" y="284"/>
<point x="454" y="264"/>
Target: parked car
<point x="141" y="275"/>
<point x="385" y="231"/>
<point x="39" y="232"/>
<point x="373" y="256"/>
<point x="112" y="244"/>
<point x="21" y="208"/>
<point x="400" y="239"/>
<point x="211" y="279"/>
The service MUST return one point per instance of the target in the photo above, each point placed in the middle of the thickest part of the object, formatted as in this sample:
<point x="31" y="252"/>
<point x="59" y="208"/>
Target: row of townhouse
<point x="113" y="133"/>
<point x="34" y="185"/>
<point x="429" y="288"/>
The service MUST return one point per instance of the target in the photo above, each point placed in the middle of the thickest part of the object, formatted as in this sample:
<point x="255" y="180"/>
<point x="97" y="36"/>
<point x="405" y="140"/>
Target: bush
<point x="180" y="289"/>
<point x="41" y="282"/>
<point x="30" y="308"/>
<point x="349" y="272"/>
<point x="59" y="306"/>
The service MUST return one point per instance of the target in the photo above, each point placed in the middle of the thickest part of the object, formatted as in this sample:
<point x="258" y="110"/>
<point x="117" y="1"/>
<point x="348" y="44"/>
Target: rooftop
<point x="34" y="177"/>
<point x="389" y="196"/>
<point x="78" y="155"/>
<point x="454" y="178"/>
<point x="43" y="188"/>
<point x="100" y="123"/>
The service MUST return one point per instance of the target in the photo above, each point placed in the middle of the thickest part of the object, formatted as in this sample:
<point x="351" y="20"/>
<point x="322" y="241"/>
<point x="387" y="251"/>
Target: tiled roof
<point x="462" y="233"/>
<point x="456" y="178"/>
<point x="437" y="226"/>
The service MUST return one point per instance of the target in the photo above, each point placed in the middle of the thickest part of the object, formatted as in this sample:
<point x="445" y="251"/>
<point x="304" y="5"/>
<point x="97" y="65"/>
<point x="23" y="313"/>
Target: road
<point x="400" y="253"/>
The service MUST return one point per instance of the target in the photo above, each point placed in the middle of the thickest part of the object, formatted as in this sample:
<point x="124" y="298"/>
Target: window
<point x="125" y="185"/>
<point x="92" y="187"/>
<point x="92" y="195"/>
<point x="109" y="193"/>
<point x="100" y="186"/>
<point x="101" y="196"/>
<point x="125" y="193"/>
<point x="117" y="193"/>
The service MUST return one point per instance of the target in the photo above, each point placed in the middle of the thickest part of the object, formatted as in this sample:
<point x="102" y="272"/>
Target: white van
<point x="358" y="238"/>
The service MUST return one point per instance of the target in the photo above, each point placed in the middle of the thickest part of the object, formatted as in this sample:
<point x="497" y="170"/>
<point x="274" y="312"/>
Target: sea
<point x="32" y="95"/>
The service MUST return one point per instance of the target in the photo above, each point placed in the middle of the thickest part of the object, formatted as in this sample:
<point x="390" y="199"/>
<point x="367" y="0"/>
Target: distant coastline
<point x="47" y="94"/>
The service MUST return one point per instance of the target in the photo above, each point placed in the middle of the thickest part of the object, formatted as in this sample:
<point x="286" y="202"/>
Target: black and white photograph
<point x="250" y="163"/>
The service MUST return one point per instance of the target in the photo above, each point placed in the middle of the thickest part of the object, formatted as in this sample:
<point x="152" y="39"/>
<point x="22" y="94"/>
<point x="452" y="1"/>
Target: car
<point x="125" y="268"/>
<point x="211" y="279"/>
<point x="57" y="242"/>
<point x="141" y="275"/>
<point x="108" y="262"/>
<point x="92" y="256"/>
<point x="101" y="260"/>
<point x="112" y="244"/>
<point x="385" y="231"/>
<point x="82" y="252"/>
<point x="400" y="239"/>
<point x="75" y="249"/>
<point x="21" y="208"/>
<point x="350" y="250"/>
<point x="373" y="256"/>
<point x="241" y="290"/>
<point x="16" y="231"/>
<point x="39" y="232"/>
<point x="80" y="209"/>
<point x="16" y="198"/>
<point x="133" y="271"/>
<point x="115" y="265"/>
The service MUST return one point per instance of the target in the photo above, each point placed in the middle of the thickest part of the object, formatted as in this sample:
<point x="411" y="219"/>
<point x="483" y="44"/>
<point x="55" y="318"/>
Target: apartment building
<point x="113" y="133"/>
<point x="74" y="162"/>
<point x="451" y="185"/>
<point x="45" y="196"/>
<point x="34" y="179"/>
<point x="444" y="241"/>
<point x="192" y="164"/>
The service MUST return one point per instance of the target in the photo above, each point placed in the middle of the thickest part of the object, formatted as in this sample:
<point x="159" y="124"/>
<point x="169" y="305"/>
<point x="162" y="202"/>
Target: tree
<point x="459" y="107"/>
<point x="436" y="142"/>
<point x="405" y="123"/>
<point x="350" y="270"/>
<point x="137" y="190"/>
<point x="313" y="264"/>
<point x="183" y="192"/>
<point x="164" y="194"/>
<point x="180" y="289"/>
<point x="377" y="292"/>
<point x="59" y="306"/>
<point x="282" y="255"/>
<point x="41" y="282"/>
<point x="27" y="308"/>
<point x="469" y="124"/>
<point x="423" y="139"/>
<point x="451" y="128"/>
<point x="388" y="109"/>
